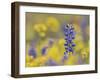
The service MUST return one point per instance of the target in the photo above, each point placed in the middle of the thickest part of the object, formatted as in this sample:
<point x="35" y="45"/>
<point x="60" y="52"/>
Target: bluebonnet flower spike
<point x="69" y="33"/>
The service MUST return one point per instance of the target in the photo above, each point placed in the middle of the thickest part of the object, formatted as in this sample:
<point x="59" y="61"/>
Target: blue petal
<point x="44" y="50"/>
<point x="66" y="35"/>
<point x="65" y="53"/>
<point x="69" y="41"/>
<point x="65" y="57"/>
<point x="66" y="48"/>
<point x="66" y="44"/>
<point x="73" y="45"/>
<point x="70" y="49"/>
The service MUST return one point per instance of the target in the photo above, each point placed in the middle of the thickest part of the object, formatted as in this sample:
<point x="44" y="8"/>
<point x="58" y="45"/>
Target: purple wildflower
<point x="51" y="62"/>
<point x="32" y="52"/>
<point x="64" y="57"/>
<point x="44" y="49"/>
<point x="51" y="41"/>
<point x="69" y="37"/>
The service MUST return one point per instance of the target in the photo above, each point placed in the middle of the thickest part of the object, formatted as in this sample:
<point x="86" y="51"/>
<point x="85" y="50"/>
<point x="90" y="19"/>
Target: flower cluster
<point x="53" y="23"/>
<point x="69" y="37"/>
<point x="41" y="29"/>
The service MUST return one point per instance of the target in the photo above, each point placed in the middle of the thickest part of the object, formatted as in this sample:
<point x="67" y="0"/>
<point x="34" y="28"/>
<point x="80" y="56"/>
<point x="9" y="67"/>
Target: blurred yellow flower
<point x="42" y="34"/>
<point x="33" y="64"/>
<point x="53" y="24"/>
<point x="61" y="41"/>
<point x="41" y="29"/>
<point x="72" y="60"/>
<point x="43" y="59"/>
<point x="85" y="53"/>
<point x="77" y="28"/>
<point x="54" y="53"/>
<point x="28" y="58"/>
<point x="61" y="46"/>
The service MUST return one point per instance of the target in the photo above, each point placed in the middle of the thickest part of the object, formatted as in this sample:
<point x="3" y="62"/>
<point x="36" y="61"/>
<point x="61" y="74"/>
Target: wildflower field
<point x="56" y="39"/>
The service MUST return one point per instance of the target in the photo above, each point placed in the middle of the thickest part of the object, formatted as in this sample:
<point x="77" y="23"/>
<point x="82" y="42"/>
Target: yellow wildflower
<point x="85" y="53"/>
<point x="54" y="54"/>
<point x="77" y="28"/>
<point x="72" y="60"/>
<point x="41" y="29"/>
<point x="53" y="24"/>
<point x="61" y="41"/>
<point x="28" y="58"/>
<point x="42" y="34"/>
